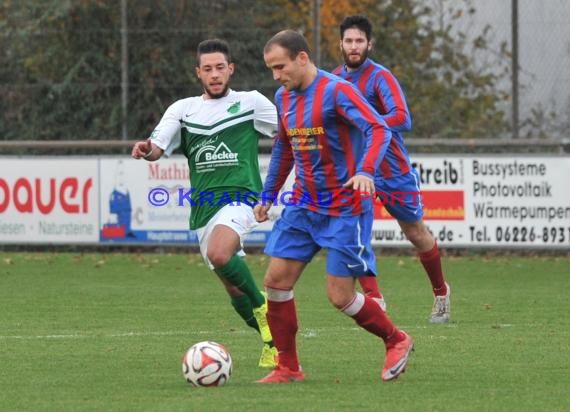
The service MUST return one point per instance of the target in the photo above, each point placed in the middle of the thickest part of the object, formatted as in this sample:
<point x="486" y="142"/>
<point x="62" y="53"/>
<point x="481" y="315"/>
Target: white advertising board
<point x="490" y="201"/>
<point x="49" y="200"/>
<point x="146" y="202"/>
<point x="469" y="201"/>
<point x="139" y="201"/>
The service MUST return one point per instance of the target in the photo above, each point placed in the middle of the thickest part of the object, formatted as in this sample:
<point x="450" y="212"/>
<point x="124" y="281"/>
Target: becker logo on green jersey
<point x="211" y="157"/>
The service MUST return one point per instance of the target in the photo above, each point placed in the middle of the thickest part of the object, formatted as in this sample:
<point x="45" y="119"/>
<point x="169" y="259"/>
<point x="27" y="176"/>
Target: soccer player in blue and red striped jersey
<point x="396" y="174"/>
<point x="335" y="140"/>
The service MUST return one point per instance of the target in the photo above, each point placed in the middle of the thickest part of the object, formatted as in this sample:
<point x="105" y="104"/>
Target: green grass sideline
<point x="102" y="332"/>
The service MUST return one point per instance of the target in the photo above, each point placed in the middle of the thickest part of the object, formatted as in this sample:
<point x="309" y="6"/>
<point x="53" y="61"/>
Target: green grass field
<point x="106" y="332"/>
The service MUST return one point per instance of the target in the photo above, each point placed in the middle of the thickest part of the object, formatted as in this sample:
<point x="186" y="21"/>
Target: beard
<point x="354" y="64"/>
<point x="213" y="95"/>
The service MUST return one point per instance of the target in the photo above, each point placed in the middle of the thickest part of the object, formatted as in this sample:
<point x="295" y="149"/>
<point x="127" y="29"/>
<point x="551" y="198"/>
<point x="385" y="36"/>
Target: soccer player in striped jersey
<point x="218" y="132"/>
<point x="396" y="174"/>
<point x="335" y="140"/>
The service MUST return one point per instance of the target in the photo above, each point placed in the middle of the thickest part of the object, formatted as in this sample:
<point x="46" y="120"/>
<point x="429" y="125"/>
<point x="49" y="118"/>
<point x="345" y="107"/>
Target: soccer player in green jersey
<point x="218" y="132"/>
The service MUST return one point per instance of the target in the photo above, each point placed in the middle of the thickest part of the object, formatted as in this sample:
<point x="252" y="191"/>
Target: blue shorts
<point x="401" y="196"/>
<point x="300" y="233"/>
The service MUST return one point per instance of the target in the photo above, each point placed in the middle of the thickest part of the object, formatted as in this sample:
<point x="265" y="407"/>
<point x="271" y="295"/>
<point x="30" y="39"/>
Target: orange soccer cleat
<point x="397" y="358"/>
<point x="282" y="374"/>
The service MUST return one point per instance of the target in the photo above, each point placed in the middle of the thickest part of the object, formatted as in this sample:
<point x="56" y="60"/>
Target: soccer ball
<point x="207" y="364"/>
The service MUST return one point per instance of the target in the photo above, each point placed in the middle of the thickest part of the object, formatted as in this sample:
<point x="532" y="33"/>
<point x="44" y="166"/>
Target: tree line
<point x="61" y="71"/>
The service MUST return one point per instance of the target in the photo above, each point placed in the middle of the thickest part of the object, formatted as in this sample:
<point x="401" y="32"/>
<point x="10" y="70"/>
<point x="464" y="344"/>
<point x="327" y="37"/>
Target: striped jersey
<point x="220" y="139"/>
<point x="329" y="132"/>
<point x="382" y="90"/>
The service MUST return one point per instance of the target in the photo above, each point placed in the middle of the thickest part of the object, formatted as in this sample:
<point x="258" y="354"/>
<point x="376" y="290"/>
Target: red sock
<point x="432" y="264"/>
<point x="368" y="315"/>
<point x="370" y="286"/>
<point x="282" y="319"/>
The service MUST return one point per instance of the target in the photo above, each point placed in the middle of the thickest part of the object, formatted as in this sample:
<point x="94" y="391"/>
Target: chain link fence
<point x="543" y="59"/>
<point x="89" y="68"/>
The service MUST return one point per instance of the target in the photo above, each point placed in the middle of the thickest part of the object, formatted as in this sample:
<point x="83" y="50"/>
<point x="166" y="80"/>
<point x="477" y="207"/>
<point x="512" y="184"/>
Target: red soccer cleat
<point x="282" y="374"/>
<point x="397" y="358"/>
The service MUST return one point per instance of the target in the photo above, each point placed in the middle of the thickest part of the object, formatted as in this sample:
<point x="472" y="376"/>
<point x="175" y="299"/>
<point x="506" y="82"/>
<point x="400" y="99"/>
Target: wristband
<point x="146" y="156"/>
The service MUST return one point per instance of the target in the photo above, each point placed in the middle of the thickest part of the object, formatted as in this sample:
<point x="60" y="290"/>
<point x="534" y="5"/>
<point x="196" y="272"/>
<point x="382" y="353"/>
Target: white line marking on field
<point x="120" y="335"/>
<point x="167" y="333"/>
<point x="305" y="333"/>
<point x="43" y="337"/>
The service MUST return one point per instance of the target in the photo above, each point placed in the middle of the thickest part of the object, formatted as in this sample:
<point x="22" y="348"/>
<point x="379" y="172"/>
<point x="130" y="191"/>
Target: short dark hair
<point x="213" y="46"/>
<point x="359" y="22"/>
<point x="291" y="41"/>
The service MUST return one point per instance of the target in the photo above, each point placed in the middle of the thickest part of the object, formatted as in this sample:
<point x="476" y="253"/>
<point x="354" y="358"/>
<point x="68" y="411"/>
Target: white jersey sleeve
<point x="265" y="116"/>
<point x="166" y="134"/>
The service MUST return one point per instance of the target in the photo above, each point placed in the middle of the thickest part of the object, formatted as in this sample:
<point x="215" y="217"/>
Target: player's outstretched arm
<point x="146" y="150"/>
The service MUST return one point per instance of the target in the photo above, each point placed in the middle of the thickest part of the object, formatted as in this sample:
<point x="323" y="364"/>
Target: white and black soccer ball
<point x="207" y="364"/>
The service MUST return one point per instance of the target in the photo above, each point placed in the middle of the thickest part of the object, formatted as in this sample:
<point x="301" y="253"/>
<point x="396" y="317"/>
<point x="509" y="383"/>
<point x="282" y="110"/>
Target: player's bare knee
<point x="414" y="235"/>
<point x="279" y="281"/>
<point x="271" y="279"/>
<point x="417" y="234"/>
<point x="339" y="299"/>
<point x="218" y="257"/>
<point x="282" y="274"/>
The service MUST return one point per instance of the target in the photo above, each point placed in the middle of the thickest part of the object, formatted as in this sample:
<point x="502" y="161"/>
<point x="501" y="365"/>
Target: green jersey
<point x="220" y="139"/>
